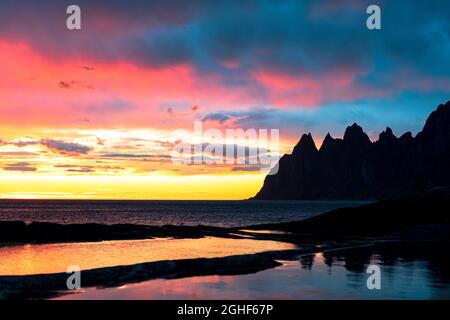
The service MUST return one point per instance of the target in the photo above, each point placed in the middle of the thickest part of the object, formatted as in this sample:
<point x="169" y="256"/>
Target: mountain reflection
<point x="432" y="258"/>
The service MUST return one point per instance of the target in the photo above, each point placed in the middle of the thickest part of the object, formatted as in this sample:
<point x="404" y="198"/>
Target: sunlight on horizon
<point x="157" y="187"/>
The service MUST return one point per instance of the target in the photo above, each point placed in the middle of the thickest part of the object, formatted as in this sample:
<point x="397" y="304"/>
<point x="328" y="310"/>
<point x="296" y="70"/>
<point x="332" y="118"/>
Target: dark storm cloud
<point x="19" y="166"/>
<point x="59" y="146"/>
<point x="64" y="147"/>
<point x="309" y="38"/>
<point x="290" y="35"/>
<point x="247" y="168"/>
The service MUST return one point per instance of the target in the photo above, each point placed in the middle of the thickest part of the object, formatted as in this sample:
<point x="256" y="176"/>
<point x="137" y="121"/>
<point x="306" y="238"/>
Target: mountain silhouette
<point x="356" y="168"/>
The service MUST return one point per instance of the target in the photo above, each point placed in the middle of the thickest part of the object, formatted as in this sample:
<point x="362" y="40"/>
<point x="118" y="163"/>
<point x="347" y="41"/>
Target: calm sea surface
<point x="212" y="213"/>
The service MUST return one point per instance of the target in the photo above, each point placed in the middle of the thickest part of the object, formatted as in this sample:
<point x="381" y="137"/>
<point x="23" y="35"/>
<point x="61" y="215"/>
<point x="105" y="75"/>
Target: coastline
<point x="337" y="230"/>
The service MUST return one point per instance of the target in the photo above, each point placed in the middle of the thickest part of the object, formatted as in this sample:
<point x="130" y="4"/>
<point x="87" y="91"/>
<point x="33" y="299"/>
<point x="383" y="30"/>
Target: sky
<point x="96" y="113"/>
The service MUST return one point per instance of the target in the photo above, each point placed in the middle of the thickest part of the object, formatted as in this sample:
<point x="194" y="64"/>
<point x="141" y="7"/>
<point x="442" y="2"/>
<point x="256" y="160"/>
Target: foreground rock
<point x="426" y="214"/>
<point x="42" y="232"/>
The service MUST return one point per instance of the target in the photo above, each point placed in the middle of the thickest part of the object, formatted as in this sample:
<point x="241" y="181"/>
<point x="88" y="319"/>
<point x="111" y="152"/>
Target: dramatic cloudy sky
<point x="91" y="113"/>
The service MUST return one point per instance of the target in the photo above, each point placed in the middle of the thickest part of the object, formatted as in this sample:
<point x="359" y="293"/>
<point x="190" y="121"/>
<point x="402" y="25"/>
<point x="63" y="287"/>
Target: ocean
<point x="191" y="213"/>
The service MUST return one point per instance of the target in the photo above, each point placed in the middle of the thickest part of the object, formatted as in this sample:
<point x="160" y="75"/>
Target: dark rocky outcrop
<point x="356" y="168"/>
<point x="43" y="232"/>
<point x="407" y="218"/>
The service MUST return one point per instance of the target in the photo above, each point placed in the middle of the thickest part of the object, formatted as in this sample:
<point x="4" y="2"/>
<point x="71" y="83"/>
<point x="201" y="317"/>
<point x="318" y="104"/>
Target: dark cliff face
<point x="356" y="168"/>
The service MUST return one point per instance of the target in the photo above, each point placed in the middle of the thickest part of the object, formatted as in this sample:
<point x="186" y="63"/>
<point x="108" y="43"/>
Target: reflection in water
<point x="413" y="271"/>
<point x="53" y="258"/>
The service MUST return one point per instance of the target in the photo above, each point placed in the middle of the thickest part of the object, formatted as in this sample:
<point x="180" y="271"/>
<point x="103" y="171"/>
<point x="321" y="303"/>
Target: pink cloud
<point x="285" y="90"/>
<point x="307" y="90"/>
<point x="82" y="93"/>
<point x="39" y="91"/>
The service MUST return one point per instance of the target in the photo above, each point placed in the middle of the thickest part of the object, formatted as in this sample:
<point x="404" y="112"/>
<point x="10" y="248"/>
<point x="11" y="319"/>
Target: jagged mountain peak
<point x="387" y="135"/>
<point x="389" y="132"/>
<point x="444" y="107"/>
<point x="407" y="136"/>
<point x="305" y="144"/>
<point x="353" y="129"/>
<point x="355" y="134"/>
<point x="356" y="168"/>
<point x="328" y="137"/>
<point x="328" y="142"/>
<point x="438" y="118"/>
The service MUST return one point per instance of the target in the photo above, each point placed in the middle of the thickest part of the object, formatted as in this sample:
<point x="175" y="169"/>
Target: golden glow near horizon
<point x="117" y="164"/>
<point x="154" y="187"/>
<point x="80" y="128"/>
